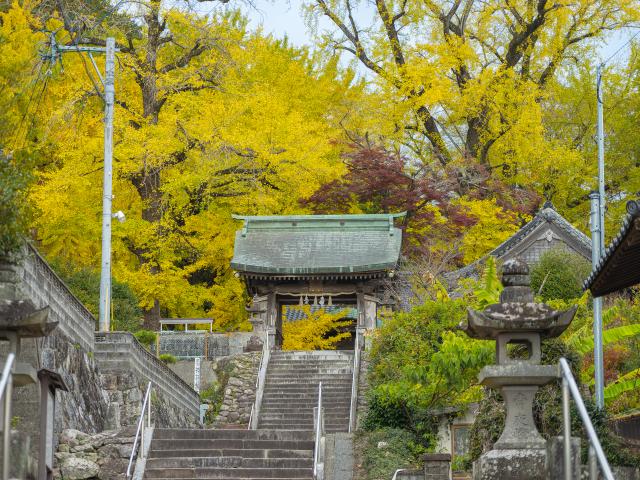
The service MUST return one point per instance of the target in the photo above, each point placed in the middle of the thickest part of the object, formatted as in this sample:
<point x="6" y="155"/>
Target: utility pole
<point x="105" y="271"/>
<point x="108" y="83"/>
<point x="601" y="156"/>
<point x="597" y="246"/>
<point x="597" y="302"/>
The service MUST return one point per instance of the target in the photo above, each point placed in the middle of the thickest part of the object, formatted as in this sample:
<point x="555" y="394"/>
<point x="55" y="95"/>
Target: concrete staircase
<point x="230" y="454"/>
<point x="291" y="390"/>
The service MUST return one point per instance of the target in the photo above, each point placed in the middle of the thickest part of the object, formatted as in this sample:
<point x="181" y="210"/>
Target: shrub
<point x="381" y="452"/>
<point x="167" y="358"/>
<point x="559" y="275"/>
<point x="213" y="395"/>
<point x="146" y="337"/>
<point x="84" y="283"/>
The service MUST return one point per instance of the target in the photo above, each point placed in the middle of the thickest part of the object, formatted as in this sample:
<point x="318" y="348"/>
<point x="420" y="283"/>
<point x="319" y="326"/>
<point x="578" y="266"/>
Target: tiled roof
<point x="546" y="214"/>
<point x="619" y="267"/>
<point x="317" y="244"/>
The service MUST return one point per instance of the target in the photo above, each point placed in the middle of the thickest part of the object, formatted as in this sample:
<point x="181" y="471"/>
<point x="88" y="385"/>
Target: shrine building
<point x="325" y="261"/>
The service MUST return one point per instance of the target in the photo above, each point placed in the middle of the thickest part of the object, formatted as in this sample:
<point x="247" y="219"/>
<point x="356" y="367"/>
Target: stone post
<point x="437" y="466"/>
<point x="555" y="455"/>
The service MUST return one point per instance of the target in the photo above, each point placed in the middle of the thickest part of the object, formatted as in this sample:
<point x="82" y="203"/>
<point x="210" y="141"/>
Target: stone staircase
<point x="291" y="390"/>
<point x="230" y="454"/>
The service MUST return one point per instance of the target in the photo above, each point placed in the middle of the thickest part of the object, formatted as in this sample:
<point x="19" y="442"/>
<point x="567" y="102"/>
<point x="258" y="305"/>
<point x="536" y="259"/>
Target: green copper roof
<point x="317" y="244"/>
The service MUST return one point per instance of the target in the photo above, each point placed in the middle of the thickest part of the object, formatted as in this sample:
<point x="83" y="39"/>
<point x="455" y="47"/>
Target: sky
<point x="284" y="18"/>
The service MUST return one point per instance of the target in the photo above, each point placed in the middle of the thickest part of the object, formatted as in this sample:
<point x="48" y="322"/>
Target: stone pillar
<point x="437" y="466"/>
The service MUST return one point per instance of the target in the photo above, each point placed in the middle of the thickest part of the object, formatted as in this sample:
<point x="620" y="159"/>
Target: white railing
<point x="353" y="408"/>
<point x="5" y="394"/>
<point x="395" y="474"/>
<point x="570" y="389"/>
<point x="318" y="467"/>
<point x="260" y="381"/>
<point x="146" y="411"/>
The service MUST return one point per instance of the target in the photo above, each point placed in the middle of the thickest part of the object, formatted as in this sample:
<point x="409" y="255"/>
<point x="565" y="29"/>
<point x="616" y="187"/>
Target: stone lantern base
<point x="520" y="464"/>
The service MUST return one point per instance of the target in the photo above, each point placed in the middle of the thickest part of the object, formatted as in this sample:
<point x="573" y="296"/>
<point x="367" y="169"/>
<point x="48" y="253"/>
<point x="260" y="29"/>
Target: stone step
<point x="301" y="424"/>
<point x="304" y="408"/>
<point x="236" y="452"/>
<point x="278" y="400"/>
<point x="293" y="385"/>
<point x="308" y="413"/>
<point x="312" y="367"/>
<point x="229" y="462"/>
<point x="224" y="473"/>
<point x="296" y="391"/>
<point x="322" y="354"/>
<point x="287" y="373"/>
<point x="201" y="444"/>
<point x="197" y="478"/>
<point x="189" y="434"/>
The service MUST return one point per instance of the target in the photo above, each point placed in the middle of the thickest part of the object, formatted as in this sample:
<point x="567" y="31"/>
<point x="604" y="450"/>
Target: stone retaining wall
<point x="240" y="389"/>
<point x="363" y="388"/>
<point x="126" y="368"/>
<point x="103" y="456"/>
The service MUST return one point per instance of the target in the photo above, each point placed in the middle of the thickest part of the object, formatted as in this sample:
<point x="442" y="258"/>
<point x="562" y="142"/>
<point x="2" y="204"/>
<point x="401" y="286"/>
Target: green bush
<point x="214" y="393"/>
<point x="385" y="412"/>
<point x="421" y="362"/>
<point x="84" y="283"/>
<point x="559" y="275"/>
<point x="381" y="452"/>
<point x="168" y="358"/>
<point x="146" y="337"/>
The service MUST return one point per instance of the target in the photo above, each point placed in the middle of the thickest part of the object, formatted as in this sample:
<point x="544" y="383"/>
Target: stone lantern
<point x="518" y="325"/>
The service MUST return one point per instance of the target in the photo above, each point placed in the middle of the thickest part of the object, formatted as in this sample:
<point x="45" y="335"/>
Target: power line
<point x="621" y="47"/>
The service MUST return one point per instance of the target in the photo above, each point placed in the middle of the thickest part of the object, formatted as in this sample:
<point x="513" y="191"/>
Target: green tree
<point x="420" y="362"/>
<point x="85" y="284"/>
<point x="559" y="275"/>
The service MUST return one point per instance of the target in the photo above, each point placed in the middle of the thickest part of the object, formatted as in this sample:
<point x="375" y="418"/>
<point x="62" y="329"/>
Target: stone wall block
<point x="555" y="456"/>
<point x="437" y="466"/>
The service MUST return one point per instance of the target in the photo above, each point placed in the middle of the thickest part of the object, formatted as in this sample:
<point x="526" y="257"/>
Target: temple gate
<point x="318" y="260"/>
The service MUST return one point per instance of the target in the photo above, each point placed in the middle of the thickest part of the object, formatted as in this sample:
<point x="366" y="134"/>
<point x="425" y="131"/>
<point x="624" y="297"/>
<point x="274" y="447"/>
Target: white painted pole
<point x="600" y="133"/>
<point x="105" y="273"/>
<point x="597" y="302"/>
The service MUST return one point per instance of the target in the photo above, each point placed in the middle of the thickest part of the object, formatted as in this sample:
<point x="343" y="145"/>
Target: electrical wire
<point x="621" y="47"/>
<point x="17" y="133"/>
<point x="33" y="116"/>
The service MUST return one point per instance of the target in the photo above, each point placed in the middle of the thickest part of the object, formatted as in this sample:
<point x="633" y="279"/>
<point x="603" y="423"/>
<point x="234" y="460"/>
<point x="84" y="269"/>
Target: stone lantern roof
<point x="517" y="312"/>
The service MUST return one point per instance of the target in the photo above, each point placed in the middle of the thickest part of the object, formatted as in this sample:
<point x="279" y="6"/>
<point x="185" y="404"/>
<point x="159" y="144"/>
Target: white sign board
<point x="196" y="375"/>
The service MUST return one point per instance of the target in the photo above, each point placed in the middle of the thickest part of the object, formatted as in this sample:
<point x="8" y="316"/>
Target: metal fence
<point x="192" y="344"/>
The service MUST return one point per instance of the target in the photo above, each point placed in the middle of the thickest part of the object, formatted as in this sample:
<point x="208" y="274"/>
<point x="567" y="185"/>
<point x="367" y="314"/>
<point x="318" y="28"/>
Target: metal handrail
<point x="146" y="408"/>
<point x="260" y="381"/>
<point x="395" y="474"/>
<point x="570" y="389"/>
<point x="5" y="390"/>
<point x="354" y="384"/>
<point x="318" y="435"/>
